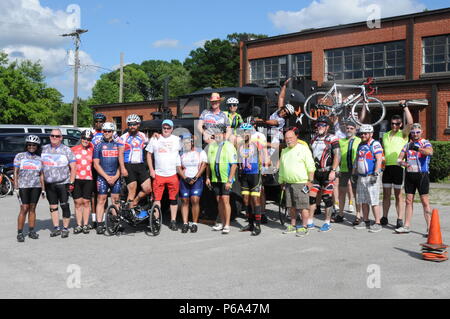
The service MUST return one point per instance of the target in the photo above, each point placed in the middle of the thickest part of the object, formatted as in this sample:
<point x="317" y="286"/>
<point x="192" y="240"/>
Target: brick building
<point x="409" y="56"/>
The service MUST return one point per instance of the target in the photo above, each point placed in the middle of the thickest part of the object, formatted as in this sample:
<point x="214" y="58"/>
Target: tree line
<point x="26" y="99"/>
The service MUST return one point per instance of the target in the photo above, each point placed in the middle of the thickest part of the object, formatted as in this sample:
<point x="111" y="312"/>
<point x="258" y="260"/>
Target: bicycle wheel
<point x="375" y="111"/>
<point x="6" y="186"/>
<point x="112" y="220"/>
<point x="282" y="210"/>
<point x="318" y="104"/>
<point x="154" y="224"/>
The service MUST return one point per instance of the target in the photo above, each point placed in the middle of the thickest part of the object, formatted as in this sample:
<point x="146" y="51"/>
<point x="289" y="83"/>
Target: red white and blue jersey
<point x="366" y="157"/>
<point x="134" y="146"/>
<point x="417" y="162"/>
<point x="108" y="154"/>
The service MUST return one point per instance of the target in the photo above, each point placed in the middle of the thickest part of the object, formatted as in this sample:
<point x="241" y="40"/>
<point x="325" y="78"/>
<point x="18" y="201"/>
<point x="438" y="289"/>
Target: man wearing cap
<point x="131" y="159"/>
<point x="165" y="151"/>
<point x="368" y="167"/>
<point x="213" y="118"/>
<point x="415" y="157"/>
<point x="393" y="142"/>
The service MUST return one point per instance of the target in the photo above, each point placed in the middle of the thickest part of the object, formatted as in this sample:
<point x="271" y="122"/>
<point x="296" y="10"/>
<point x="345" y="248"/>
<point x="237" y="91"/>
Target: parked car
<point x="34" y="129"/>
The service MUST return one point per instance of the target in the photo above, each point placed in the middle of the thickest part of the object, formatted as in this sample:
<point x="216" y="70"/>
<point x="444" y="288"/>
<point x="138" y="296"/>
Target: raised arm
<point x="281" y="97"/>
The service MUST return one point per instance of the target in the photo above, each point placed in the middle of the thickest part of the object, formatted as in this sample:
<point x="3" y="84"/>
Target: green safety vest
<point x="393" y="146"/>
<point x="349" y="149"/>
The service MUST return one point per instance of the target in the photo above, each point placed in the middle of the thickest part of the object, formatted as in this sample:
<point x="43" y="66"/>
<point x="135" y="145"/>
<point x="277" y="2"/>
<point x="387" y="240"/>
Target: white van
<point x="46" y="129"/>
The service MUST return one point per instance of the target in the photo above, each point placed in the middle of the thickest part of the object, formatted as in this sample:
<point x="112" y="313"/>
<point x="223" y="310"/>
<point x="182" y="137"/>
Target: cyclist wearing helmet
<point x="234" y="118"/>
<point x="251" y="156"/>
<point x="29" y="180"/>
<point x="131" y="159"/>
<point x="326" y="153"/>
<point x="193" y="164"/>
<point x="106" y="163"/>
<point x="368" y="167"/>
<point x="213" y="118"/>
<point x="84" y="183"/>
<point x="59" y="174"/>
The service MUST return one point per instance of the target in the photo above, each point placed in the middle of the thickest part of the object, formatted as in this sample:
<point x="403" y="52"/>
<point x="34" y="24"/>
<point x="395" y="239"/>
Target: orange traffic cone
<point x="434" y="249"/>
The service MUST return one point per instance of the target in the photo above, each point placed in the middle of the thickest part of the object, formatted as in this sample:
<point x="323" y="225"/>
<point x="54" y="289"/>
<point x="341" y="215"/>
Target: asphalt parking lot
<point x="343" y="263"/>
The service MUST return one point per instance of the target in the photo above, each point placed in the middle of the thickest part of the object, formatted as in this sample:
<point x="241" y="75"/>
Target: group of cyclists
<point x="235" y="149"/>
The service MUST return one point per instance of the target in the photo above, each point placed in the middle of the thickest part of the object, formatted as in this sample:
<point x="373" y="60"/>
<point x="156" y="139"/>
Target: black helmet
<point x="323" y="119"/>
<point x="86" y="135"/>
<point x="100" y="116"/>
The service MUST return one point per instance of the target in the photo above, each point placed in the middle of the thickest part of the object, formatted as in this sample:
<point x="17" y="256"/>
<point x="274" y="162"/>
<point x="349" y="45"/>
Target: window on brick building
<point x="302" y="65"/>
<point x="263" y="71"/>
<point x="448" y="114"/>
<point x="118" y="122"/>
<point x="361" y="62"/>
<point x="436" y="54"/>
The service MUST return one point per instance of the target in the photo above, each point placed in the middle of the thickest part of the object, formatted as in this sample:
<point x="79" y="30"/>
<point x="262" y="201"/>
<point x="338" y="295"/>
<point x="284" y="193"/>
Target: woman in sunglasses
<point x="84" y="183"/>
<point x="29" y="180"/>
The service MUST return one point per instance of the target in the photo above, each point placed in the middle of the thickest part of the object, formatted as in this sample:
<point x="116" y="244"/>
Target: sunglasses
<point x="107" y="131"/>
<point x="396" y="124"/>
<point x="133" y="124"/>
<point x="350" y="128"/>
<point x="99" y="121"/>
<point x="233" y="105"/>
<point x="31" y="145"/>
<point x="365" y="133"/>
<point x="86" y="139"/>
<point x="321" y="125"/>
<point x="55" y="136"/>
<point x="166" y="128"/>
<point x="416" y="132"/>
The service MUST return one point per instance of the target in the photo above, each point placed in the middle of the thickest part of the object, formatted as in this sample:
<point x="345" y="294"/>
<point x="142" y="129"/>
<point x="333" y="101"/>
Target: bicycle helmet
<point x="133" y="118"/>
<point x="289" y="109"/>
<point x="33" y="139"/>
<point x="86" y="135"/>
<point x="366" y="128"/>
<point x="99" y="116"/>
<point x="108" y="126"/>
<point x="232" y="100"/>
<point x="323" y="119"/>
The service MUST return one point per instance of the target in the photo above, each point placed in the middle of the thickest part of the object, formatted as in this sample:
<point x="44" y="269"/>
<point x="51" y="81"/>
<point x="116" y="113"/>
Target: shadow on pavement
<point x="413" y="254"/>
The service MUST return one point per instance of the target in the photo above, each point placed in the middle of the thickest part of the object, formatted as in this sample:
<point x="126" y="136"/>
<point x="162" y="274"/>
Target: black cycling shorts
<point x="417" y="182"/>
<point x="30" y="195"/>
<point x="57" y="193"/>
<point x="83" y="189"/>
<point x="393" y="175"/>
<point x="219" y="189"/>
<point x="136" y="173"/>
<point x="251" y="184"/>
<point x="321" y="182"/>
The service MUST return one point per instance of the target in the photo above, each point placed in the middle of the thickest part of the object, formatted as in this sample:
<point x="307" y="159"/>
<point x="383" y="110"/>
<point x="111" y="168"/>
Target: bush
<point x="440" y="161"/>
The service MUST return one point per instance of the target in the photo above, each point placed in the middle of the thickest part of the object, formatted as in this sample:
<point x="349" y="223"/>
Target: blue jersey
<point x="366" y="157"/>
<point x="108" y="154"/>
<point x="97" y="137"/>
<point x="249" y="159"/>
<point x="417" y="162"/>
<point x="134" y="146"/>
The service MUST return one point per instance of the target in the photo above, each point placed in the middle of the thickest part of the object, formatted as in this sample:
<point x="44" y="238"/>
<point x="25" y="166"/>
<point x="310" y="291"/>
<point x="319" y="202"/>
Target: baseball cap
<point x="168" y="122"/>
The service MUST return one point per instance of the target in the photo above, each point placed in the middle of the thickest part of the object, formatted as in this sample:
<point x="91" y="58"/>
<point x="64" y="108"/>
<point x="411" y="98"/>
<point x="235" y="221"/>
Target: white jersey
<point x="191" y="161"/>
<point x="166" y="153"/>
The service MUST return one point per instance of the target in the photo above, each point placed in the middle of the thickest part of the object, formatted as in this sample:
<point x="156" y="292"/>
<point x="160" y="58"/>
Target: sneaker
<point x="302" y="232"/>
<point x="194" y="228"/>
<point x="402" y="230"/>
<point x="249" y="227"/>
<point x="357" y="221"/>
<point x="217" y="227"/>
<point x="310" y="226"/>
<point x="33" y="235"/>
<point x="86" y="229"/>
<point x="55" y="232"/>
<point x="173" y="225"/>
<point x="185" y="228"/>
<point x="325" y="227"/>
<point x="226" y="230"/>
<point x="64" y="233"/>
<point x="78" y="230"/>
<point x="375" y="228"/>
<point x="384" y="221"/>
<point x="362" y="225"/>
<point x="256" y="230"/>
<point x="351" y="208"/>
<point x="290" y="230"/>
<point x="399" y="223"/>
<point x="338" y="219"/>
<point x="100" y="230"/>
<point x="264" y="219"/>
<point x="20" y="238"/>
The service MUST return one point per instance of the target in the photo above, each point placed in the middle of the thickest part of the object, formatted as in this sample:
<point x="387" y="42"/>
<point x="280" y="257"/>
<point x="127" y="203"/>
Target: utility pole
<point x="76" y="37"/>
<point x="121" y="78"/>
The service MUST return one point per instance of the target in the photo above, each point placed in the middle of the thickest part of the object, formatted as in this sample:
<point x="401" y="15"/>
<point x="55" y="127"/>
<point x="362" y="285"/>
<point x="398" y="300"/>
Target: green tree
<point x="216" y="64"/>
<point x="24" y="97"/>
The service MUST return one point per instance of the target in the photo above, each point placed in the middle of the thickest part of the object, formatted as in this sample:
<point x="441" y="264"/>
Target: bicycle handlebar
<point x="369" y="88"/>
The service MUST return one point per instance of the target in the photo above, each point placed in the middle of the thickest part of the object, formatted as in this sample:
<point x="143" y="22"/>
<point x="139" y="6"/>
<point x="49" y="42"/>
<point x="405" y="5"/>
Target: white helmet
<point x="108" y="126"/>
<point x="289" y="108"/>
<point x="133" y="118"/>
<point x="366" y="128"/>
<point x="33" y="139"/>
<point x="232" y="100"/>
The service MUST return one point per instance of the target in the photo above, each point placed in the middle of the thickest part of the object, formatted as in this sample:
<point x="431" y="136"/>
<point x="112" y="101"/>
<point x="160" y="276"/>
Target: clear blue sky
<point x="135" y="26"/>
